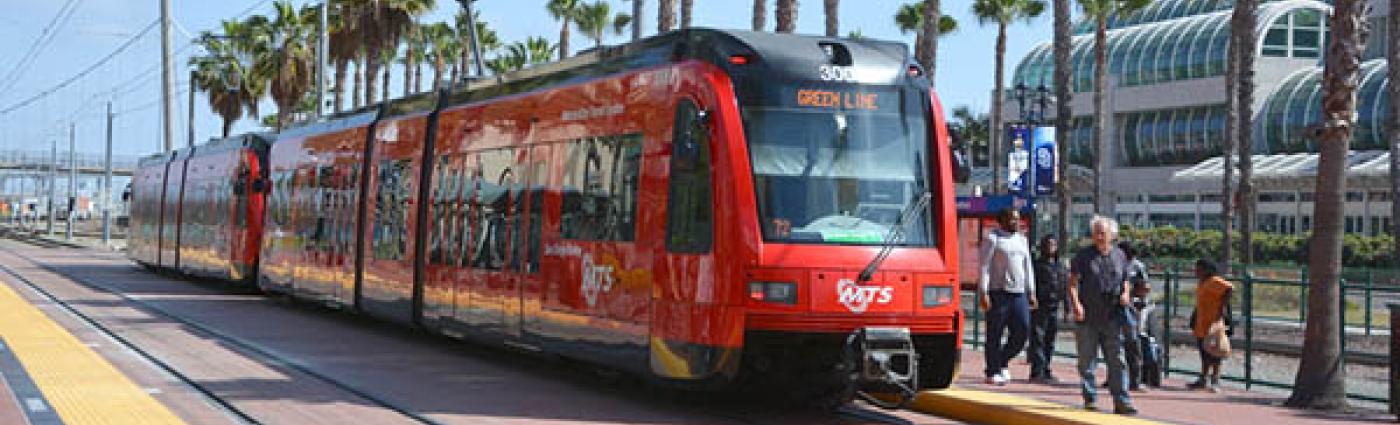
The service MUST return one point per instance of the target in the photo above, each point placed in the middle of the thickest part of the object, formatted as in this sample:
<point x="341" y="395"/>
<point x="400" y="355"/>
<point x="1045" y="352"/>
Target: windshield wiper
<point x="896" y="233"/>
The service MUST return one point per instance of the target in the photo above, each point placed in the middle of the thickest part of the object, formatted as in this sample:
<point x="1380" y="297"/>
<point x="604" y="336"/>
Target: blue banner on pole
<point x="1018" y="161"/>
<point x="1044" y="159"/>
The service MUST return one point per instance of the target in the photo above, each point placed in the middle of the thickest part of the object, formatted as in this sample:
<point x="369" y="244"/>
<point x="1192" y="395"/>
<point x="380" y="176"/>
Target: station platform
<point x="220" y="355"/>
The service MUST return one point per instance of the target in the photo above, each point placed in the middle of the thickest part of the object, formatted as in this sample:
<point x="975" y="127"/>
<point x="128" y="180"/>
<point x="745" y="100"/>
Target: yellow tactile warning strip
<point x="79" y="384"/>
<point x="989" y="408"/>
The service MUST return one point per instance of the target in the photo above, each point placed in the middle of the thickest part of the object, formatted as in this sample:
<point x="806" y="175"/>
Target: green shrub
<point x="1172" y="242"/>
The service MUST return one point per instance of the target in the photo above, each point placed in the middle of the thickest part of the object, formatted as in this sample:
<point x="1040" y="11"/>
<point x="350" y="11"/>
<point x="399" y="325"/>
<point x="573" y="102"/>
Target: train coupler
<point x="888" y="365"/>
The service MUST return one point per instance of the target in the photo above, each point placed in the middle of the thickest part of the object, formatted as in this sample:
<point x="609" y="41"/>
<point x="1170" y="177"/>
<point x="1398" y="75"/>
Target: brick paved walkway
<point x="1172" y="403"/>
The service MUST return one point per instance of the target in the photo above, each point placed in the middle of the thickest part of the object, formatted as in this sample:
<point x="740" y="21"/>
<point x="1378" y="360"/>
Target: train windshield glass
<point x="842" y="174"/>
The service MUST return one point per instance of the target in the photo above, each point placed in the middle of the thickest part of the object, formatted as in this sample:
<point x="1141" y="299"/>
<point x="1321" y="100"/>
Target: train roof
<point x="256" y="141"/>
<point x="771" y="55"/>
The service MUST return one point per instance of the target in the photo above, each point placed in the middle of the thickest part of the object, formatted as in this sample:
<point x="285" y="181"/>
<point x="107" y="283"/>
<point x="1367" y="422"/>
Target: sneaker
<point x="1213" y="388"/>
<point x="1128" y="410"/>
<point x="1137" y="389"/>
<point x="1005" y="374"/>
<point x="1199" y="384"/>
<point x="1089" y="406"/>
<point x="999" y="380"/>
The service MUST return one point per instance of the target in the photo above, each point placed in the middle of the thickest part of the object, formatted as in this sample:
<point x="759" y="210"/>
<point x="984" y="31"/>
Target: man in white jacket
<point x="1007" y="293"/>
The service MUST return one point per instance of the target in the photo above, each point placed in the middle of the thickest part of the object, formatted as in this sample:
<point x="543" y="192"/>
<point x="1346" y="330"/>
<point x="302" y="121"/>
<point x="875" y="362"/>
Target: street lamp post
<point x="1032" y="103"/>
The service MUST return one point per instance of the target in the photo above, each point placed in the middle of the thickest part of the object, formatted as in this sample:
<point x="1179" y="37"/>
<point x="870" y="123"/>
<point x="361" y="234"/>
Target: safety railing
<point x="1270" y="319"/>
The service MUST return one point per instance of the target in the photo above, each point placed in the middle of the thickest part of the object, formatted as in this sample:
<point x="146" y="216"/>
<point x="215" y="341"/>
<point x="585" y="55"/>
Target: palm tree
<point x="217" y="75"/>
<point x="291" y="60"/>
<point x="595" y="18"/>
<point x="489" y="41"/>
<point x="932" y="29"/>
<point x="785" y="13"/>
<point x="1003" y="13"/>
<point x="539" y="50"/>
<point x="621" y="22"/>
<point x="564" y="11"/>
<point x="760" y="14"/>
<point x="975" y="130"/>
<point x="687" y="6"/>
<point x="382" y="24"/>
<point x="1062" y="117"/>
<point x="442" y="47"/>
<point x="344" y="46"/>
<point x="665" y="16"/>
<point x="1100" y="11"/>
<point x="253" y="40"/>
<point x="1242" y="35"/>
<point x="832" y="9"/>
<point x="1321" y="379"/>
<point x="387" y="57"/>
<point x="414" y="47"/>
<point x="910" y="18"/>
<point x="1393" y="63"/>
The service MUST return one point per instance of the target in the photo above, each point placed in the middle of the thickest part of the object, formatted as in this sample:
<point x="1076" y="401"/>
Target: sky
<point x="131" y="79"/>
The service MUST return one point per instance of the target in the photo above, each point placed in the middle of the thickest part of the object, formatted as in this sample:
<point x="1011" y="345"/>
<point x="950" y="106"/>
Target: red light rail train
<point x="698" y="207"/>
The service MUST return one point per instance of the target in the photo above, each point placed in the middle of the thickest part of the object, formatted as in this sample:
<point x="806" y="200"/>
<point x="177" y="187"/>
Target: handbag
<point x="1217" y="341"/>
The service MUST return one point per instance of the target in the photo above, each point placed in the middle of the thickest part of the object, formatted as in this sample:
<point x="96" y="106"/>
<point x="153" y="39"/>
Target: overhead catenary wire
<point x="42" y="41"/>
<point x="82" y="74"/>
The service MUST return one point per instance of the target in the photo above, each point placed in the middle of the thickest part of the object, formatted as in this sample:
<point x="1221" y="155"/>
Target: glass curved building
<point x="1167" y="99"/>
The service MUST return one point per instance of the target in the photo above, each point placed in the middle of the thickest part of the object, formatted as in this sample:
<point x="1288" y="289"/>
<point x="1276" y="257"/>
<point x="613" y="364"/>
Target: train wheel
<point x="939" y="361"/>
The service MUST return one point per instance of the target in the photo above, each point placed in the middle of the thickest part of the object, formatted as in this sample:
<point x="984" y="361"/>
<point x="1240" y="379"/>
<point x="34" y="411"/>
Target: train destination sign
<point x="838" y="99"/>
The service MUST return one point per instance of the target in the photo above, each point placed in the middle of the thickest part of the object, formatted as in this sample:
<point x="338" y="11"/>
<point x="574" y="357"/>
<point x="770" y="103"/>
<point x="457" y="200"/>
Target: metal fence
<point x="1270" y="308"/>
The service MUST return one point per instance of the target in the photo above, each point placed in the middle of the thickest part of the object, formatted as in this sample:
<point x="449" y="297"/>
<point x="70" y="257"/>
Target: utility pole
<point x="167" y="77"/>
<point x="53" y="170"/>
<point x="322" y="57"/>
<point x="107" y="182"/>
<point x="72" y="179"/>
<point x="191" y="126"/>
<point x="476" y="43"/>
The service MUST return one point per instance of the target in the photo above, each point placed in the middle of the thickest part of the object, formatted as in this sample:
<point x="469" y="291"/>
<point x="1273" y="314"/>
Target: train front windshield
<point x="839" y="166"/>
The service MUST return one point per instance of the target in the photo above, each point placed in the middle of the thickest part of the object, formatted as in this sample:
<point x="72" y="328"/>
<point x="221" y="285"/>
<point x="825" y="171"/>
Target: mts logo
<point x="858" y="298"/>
<point x="597" y="279"/>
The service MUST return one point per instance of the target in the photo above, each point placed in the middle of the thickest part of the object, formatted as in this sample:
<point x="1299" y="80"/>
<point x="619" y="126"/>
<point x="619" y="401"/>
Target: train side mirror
<point x="962" y="165"/>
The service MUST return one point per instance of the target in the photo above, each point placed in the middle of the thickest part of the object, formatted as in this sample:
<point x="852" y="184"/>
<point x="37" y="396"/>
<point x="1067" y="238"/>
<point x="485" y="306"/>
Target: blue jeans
<point x="1008" y="311"/>
<point x="1089" y="340"/>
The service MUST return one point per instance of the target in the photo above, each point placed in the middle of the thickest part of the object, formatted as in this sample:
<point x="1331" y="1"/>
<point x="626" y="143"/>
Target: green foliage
<point x="1269" y="248"/>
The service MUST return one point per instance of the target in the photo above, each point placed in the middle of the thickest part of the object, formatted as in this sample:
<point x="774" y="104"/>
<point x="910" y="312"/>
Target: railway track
<point x="268" y="356"/>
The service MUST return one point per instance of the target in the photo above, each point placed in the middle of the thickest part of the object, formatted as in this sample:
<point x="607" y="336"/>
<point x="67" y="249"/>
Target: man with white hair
<point x="1098" y="295"/>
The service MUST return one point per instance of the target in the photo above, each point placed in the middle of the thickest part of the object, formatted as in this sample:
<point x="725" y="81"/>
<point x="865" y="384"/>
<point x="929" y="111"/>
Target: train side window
<point x="600" y="188"/>
<point x="689" y="221"/>
<point x="390" y="224"/>
<point x="439" y="204"/>
<point x="491" y="208"/>
<point x="466" y="191"/>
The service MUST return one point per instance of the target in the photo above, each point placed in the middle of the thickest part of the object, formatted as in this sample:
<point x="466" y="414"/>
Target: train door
<point x="491" y="283"/>
<point x="526" y="197"/>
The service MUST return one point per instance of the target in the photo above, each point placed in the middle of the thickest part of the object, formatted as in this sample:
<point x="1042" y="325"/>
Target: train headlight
<point x="773" y="292"/>
<point x="935" y="296"/>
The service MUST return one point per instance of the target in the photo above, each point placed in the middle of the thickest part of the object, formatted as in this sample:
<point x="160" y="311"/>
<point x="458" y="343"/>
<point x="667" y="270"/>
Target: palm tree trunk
<point x="1100" y="114"/>
<point x="833" y="28"/>
<point x="932" y="14"/>
<point x="408" y="69"/>
<point x="437" y="74"/>
<point x="338" y="92"/>
<point x="687" y="6"/>
<point x="1394" y="70"/>
<point x="453" y="73"/>
<point x="786" y="15"/>
<point x="357" y="97"/>
<point x="665" y="15"/>
<point x="228" y="126"/>
<point x="385" y="85"/>
<point x="637" y="7"/>
<point x="1243" y="23"/>
<point x="1321" y="378"/>
<point x="1062" y="118"/>
<point x="1232" y="136"/>
<point x="564" y="39"/>
<point x="417" y="79"/>
<point x="760" y="14"/>
<point x="372" y="77"/>
<point x="998" y="100"/>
